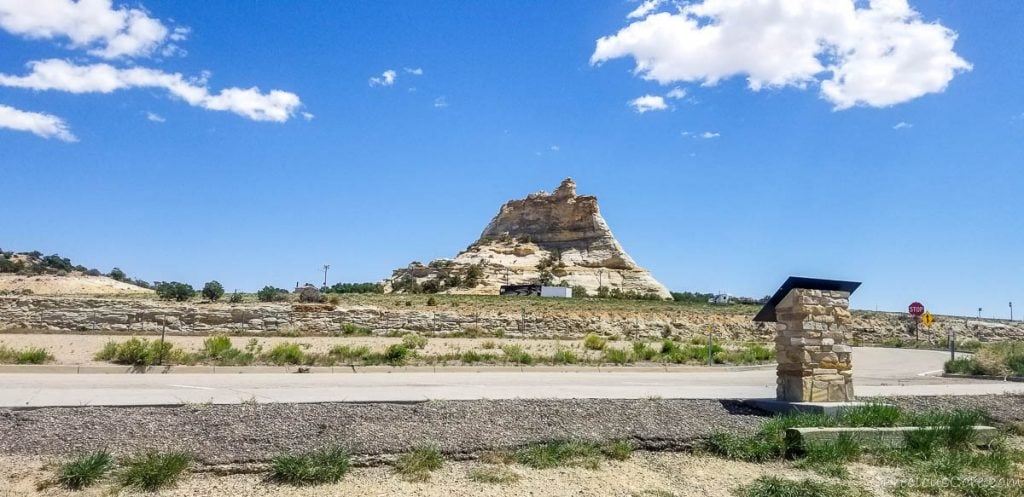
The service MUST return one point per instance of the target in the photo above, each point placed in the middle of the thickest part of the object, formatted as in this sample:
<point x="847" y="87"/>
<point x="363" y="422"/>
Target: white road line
<point x="930" y="373"/>
<point x="191" y="386"/>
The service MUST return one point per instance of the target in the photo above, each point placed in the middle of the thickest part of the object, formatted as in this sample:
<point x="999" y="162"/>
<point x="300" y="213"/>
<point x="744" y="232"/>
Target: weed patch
<point x="153" y="471"/>
<point x="85" y="470"/>
<point x="417" y="465"/>
<point x="327" y="465"/>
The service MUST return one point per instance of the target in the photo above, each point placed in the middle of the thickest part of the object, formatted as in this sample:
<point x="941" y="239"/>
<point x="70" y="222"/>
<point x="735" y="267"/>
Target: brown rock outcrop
<point x="556" y="238"/>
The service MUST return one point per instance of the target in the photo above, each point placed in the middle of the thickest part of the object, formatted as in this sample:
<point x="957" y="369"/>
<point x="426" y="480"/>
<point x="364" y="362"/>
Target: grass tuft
<point x="327" y="465"/>
<point x="417" y="465"/>
<point x="594" y="342"/>
<point x="493" y="474"/>
<point x="84" y="470"/>
<point x="153" y="471"/>
<point x="773" y="486"/>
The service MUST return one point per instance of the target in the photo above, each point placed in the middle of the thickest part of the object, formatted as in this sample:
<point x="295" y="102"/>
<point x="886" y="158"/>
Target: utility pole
<point x="1011" y="311"/>
<point x="326" y="267"/>
<point x="979" y="313"/>
<point x="600" y="274"/>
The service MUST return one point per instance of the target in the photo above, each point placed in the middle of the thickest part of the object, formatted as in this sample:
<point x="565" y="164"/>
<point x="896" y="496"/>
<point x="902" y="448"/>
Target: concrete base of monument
<point x="785" y="407"/>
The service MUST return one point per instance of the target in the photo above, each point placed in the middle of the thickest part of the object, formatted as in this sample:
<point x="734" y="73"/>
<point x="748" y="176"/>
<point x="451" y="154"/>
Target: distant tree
<point x="141" y="283"/>
<point x="579" y="292"/>
<point x="93" y="272"/>
<point x="213" y="290"/>
<point x="235" y="297"/>
<point x="117" y="274"/>
<point x="473" y="275"/>
<point x="691" y="297"/>
<point x="175" y="291"/>
<point x="431" y="286"/>
<point x="355" y="288"/>
<point x="271" y="294"/>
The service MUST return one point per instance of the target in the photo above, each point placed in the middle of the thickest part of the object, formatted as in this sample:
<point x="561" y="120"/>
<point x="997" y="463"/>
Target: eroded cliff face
<point x="556" y="238"/>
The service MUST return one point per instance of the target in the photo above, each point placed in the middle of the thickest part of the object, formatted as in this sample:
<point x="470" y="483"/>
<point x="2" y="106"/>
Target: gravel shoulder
<point x="223" y="434"/>
<point x="219" y="434"/>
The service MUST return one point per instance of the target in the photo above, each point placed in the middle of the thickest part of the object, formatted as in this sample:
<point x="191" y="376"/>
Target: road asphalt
<point x="878" y="372"/>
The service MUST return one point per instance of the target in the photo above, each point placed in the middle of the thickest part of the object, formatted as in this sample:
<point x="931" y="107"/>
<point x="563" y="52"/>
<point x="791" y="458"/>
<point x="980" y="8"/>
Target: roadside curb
<point x="1017" y="379"/>
<point x="114" y="369"/>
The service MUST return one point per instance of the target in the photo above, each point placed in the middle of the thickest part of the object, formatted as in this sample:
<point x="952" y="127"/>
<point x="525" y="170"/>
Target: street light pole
<point x="326" y="267"/>
<point x="1011" y="311"/>
<point x="979" y="313"/>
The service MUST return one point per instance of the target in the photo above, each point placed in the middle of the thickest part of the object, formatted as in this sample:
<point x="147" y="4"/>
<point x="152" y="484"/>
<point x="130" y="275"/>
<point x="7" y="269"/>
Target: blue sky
<point x="725" y="189"/>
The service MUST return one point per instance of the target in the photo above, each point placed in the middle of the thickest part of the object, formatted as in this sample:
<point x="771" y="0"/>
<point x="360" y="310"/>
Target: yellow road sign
<point x="927" y="319"/>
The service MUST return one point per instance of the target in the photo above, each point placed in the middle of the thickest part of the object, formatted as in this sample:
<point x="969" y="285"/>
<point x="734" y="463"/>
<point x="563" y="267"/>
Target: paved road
<point x="877" y="372"/>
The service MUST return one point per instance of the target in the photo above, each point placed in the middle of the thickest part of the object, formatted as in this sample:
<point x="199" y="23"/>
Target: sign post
<point x="916" y="309"/>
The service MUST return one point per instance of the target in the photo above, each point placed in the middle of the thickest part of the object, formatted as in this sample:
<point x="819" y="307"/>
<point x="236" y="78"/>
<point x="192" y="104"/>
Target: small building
<point x="721" y="299"/>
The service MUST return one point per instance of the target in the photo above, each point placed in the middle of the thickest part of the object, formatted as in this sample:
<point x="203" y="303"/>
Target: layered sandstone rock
<point x="556" y="238"/>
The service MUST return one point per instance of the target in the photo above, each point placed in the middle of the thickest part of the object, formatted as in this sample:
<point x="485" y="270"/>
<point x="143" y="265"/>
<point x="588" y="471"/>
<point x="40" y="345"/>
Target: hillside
<point x="35" y="274"/>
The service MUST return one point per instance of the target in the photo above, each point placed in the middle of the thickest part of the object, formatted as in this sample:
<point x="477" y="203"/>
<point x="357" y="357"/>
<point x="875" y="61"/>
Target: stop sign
<point x="916" y="309"/>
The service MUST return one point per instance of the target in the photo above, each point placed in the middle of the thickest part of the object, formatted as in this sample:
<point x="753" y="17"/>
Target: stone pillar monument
<point x="815" y="363"/>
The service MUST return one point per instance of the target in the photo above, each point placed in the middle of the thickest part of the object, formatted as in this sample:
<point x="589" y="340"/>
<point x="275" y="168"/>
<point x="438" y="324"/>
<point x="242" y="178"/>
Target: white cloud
<point x="93" y="25"/>
<point x="308" y="116"/>
<point x="706" y="135"/>
<point x="60" y="75"/>
<point x="645" y="8"/>
<point x="414" y="71"/>
<point x="157" y="118"/>
<point x="440" y="102"/>
<point x="879" y="54"/>
<point x="902" y="125"/>
<point x="387" y="78"/>
<point x="39" y="124"/>
<point x="555" y="148"/>
<point x="676" y="93"/>
<point x="648" y="103"/>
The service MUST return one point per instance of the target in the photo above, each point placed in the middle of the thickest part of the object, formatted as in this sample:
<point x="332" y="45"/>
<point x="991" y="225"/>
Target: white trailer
<point x="556" y="291"/>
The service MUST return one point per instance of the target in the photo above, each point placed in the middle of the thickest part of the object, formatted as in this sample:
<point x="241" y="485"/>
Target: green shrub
<point x="327" y="465"/>
<point x="356" y="288"/>
<point x="31" y="355"/>
<point x="618" y="356"/>
<point x="118" y="274"/>
<point x="516" y="355"/>
<point x="271" y="294"/>
<point x="139" y="352"/>
<point x="963" y="365"/>
<point x="213" y="290"/>
<point x="644" y="352"/>
<point x="564" y="356"/>
<point x="488" y="344"/>
<point x="397" y="354"/>
<point x="470" y="357"/>
<point x="286" y="353"/>
<point x="175" y="291"/>
<point x="594" y="342"/>
<point x="235" y="298"/>
<point x="872" y="415"/>
<point x="414" y="341"/>
<point x="417" y="464"/>
<point x="349" y="329"/>
<point x="84" y="470"/>
<point x="153" y="471"/>
<point x="344" y="352"/>
<point x="431" y="301"/>
<point x="216" y="346"/>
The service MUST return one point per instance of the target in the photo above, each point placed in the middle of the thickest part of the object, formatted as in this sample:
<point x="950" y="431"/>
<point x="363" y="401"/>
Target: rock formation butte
<point x="557" y="238"/>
